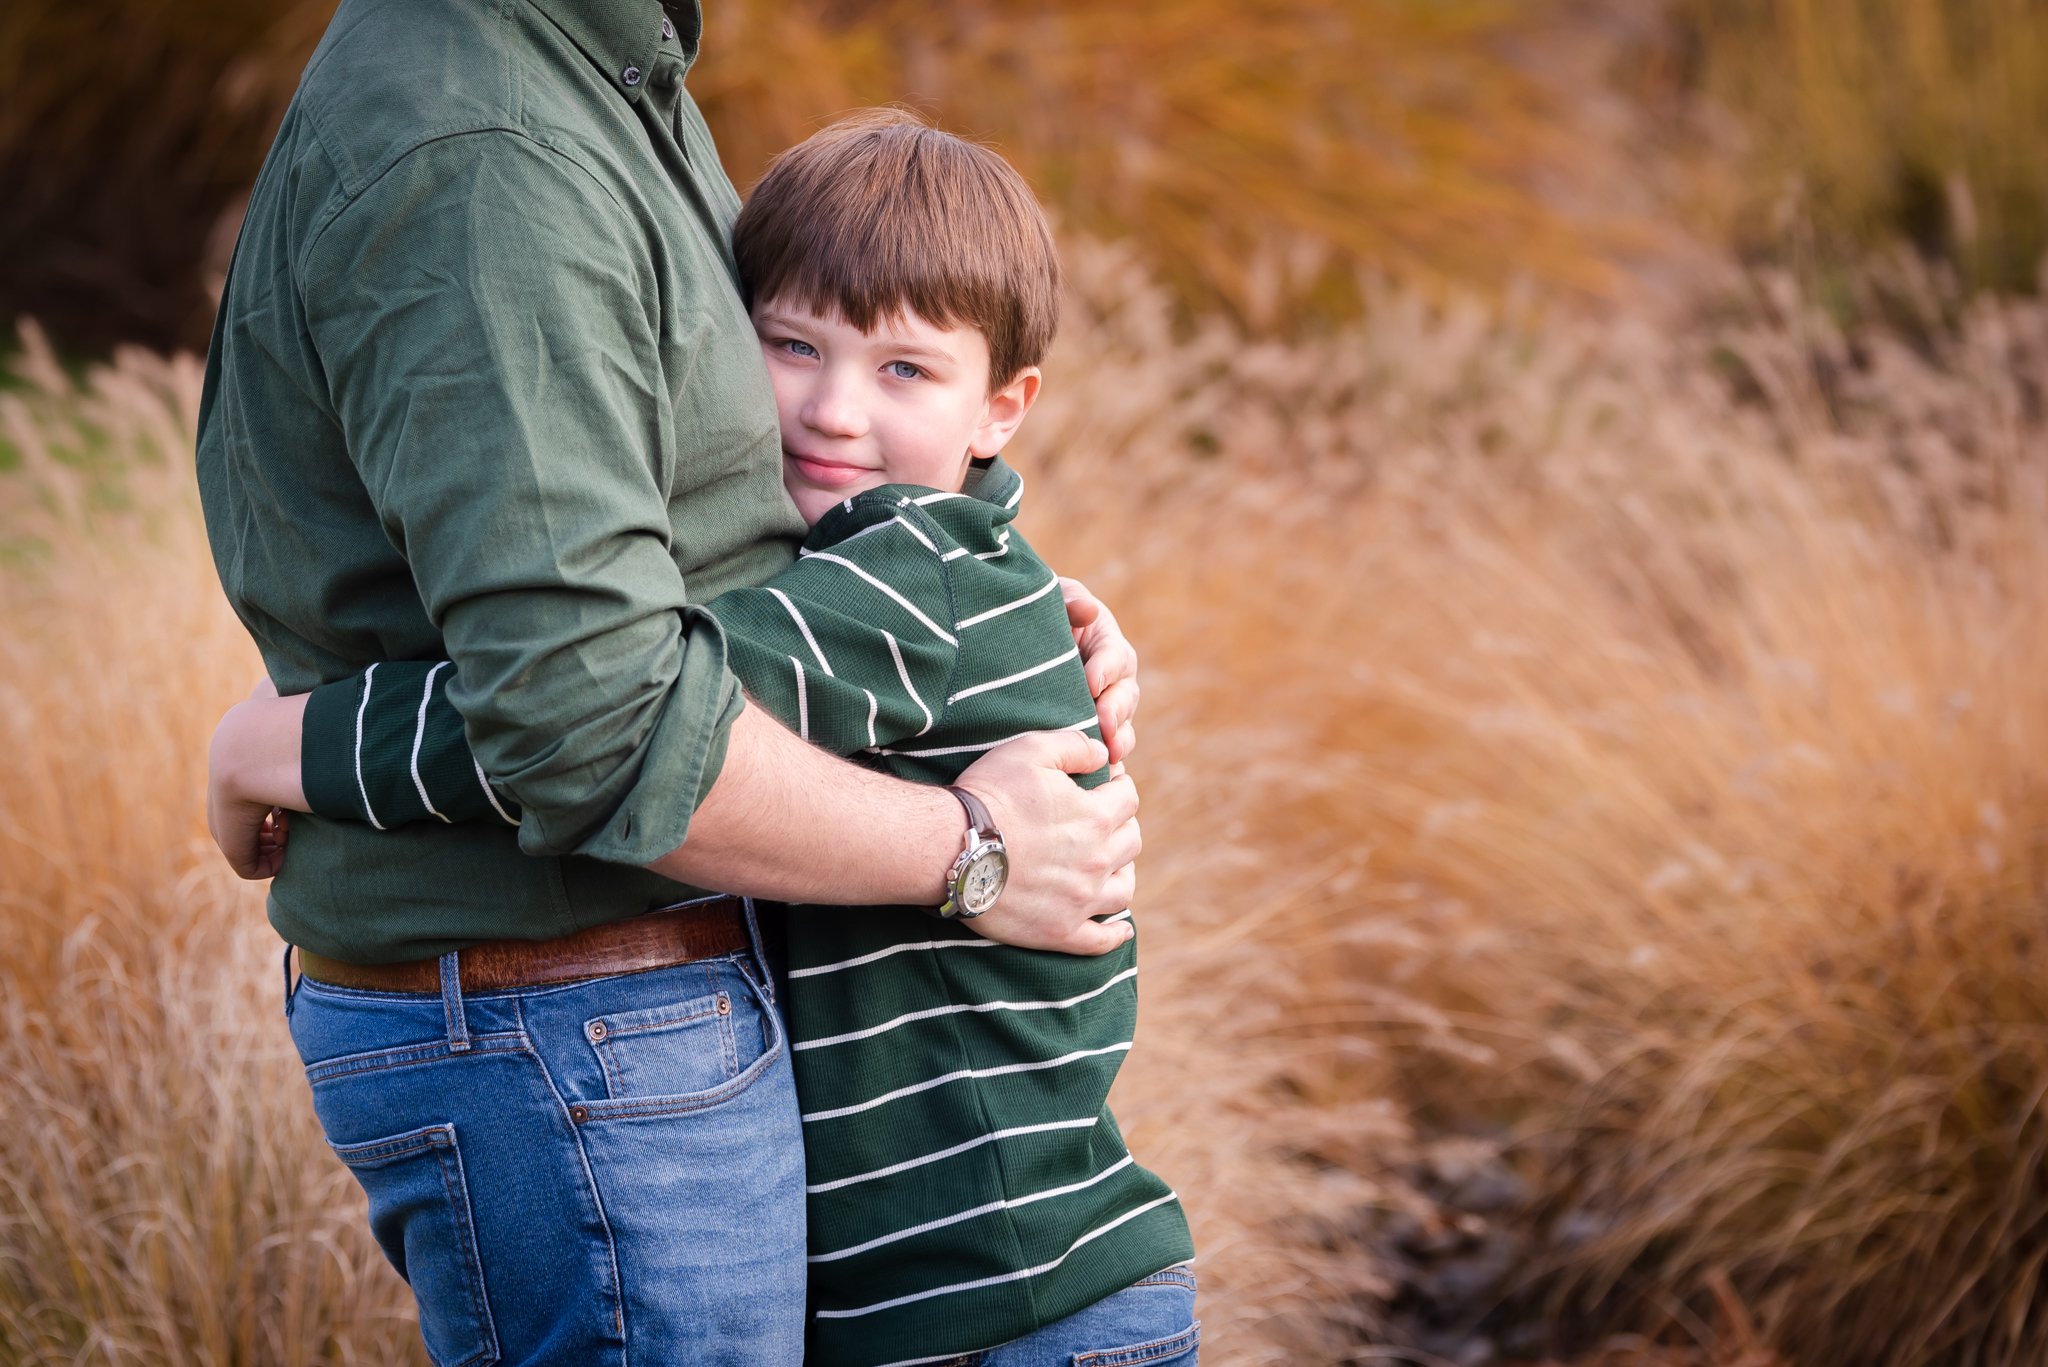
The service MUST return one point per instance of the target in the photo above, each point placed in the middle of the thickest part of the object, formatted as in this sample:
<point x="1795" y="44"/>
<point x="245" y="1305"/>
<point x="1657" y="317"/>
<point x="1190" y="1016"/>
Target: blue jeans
<point x="1148" y="1324"/>
<point x="599" y="1172"/>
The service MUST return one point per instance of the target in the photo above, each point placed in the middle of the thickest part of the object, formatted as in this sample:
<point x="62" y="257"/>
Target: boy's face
<point x="907" y="403"/>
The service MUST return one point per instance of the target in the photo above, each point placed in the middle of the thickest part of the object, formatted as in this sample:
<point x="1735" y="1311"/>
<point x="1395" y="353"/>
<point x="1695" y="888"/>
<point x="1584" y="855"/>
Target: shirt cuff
<point x="679" y="764"/>
<point x="327" y="733"/>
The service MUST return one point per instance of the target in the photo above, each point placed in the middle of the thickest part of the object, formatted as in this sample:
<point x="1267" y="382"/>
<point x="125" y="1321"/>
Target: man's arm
<point x="784" y="819"/>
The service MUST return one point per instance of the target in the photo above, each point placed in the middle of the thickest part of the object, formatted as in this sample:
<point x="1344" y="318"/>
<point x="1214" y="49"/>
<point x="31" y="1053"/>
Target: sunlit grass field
<point x="1612" y="750"/>
<point x="1595" y="748"/>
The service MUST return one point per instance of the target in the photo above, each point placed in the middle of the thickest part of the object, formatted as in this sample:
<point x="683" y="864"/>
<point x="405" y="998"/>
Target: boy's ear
<point x="1005" y="413"/>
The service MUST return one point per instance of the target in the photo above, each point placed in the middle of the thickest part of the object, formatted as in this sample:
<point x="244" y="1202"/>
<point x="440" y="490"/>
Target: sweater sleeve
<point x="387" y="747"/>
<point x="852" y="647"/>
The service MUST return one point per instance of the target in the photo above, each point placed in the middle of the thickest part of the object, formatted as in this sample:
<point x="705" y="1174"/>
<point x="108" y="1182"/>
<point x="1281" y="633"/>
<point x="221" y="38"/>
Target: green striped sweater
<point x="967" y="1183"/>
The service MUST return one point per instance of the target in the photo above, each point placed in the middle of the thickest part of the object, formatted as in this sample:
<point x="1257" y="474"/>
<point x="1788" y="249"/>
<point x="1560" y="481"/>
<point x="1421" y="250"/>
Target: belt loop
<point x="451" y="1003"/>
<point x="291" y="989"/>
<point x="766" y="970"/>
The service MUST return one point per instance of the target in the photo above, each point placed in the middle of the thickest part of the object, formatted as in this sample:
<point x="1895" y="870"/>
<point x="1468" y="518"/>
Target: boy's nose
<point x="833" y="411"/>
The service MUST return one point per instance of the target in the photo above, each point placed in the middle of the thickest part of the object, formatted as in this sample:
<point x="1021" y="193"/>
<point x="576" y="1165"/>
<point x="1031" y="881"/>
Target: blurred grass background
<point x="1259" y="152"/>
<point x="1619" y="936"/>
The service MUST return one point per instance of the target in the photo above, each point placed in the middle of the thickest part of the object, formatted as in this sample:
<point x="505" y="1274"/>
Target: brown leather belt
<point x="660" y="939"/>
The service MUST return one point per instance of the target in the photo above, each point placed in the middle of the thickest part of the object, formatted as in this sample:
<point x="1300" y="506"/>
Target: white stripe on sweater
<point x="873" y="707"/>
<point x="978" y="618"/>
<point x="898" y="521"/>
<point x="1001" y="1070"/>
<point x="805" y="628"/>
<point x="984" y="745"/>
<point x="363" y="791"/>
<point x="1002" y="547"/>
<point x="491" y="797"/>
<point x="959" y="1217"/>
<point x="1016" y="1276"/>
<point x="880" y="954"/>
<point x="1085" y="1123"/>
<point x="903" y="673"/>
<point x="901" y="601"/>
<point x="419" y="734"/>
<point x="961" y="1008"/>
<point x="1072" y="653"/>
<point x="803" y="702"/>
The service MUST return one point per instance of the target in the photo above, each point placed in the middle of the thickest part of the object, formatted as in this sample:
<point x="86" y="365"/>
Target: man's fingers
<point x="1120" y="851"/>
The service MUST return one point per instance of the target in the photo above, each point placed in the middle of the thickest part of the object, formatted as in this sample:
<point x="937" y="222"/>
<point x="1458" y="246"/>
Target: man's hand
<point x="252" y="773"/>
<point x="1071" y="849"/>
<point x="1112" y="664"/>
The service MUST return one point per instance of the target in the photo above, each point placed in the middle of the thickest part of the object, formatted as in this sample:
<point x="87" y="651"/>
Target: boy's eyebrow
<point x="770" y="318"/>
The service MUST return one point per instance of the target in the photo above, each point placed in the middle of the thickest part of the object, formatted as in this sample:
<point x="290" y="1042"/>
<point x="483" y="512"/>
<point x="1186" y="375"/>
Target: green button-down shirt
<point x="482" y="388"/>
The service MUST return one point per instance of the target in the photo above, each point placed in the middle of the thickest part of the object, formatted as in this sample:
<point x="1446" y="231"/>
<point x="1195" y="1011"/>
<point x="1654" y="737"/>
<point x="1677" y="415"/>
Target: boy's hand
<point x="1112" y="664"/>
<point x="1071" y="849"/>
<point x="252" y="772"/>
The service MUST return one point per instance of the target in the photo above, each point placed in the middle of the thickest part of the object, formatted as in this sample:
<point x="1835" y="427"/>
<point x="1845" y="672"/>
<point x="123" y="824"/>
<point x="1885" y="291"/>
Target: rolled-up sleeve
<point x="486" y="317"/>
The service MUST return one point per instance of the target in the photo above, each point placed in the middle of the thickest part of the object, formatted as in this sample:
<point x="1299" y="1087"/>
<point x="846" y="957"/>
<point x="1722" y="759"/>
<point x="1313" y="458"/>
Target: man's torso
<point x="300" y="548"/>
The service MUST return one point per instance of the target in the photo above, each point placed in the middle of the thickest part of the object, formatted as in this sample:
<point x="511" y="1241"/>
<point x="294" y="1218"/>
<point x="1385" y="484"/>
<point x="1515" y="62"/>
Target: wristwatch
<point x="977" y="876"/>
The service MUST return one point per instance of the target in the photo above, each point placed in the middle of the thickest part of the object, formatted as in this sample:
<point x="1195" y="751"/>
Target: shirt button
<point x="631" y="75"/>
<point x="668" y="30"/>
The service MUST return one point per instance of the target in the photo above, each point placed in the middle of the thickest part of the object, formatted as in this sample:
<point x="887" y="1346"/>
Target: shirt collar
<point x="623" y="37"/>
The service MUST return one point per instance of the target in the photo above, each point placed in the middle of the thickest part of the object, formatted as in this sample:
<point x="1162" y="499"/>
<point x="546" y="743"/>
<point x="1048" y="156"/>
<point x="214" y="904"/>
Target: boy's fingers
<point x="1096" y="938"/>
<point x="1083" y="607"/>
<point x="1068" y="751"/>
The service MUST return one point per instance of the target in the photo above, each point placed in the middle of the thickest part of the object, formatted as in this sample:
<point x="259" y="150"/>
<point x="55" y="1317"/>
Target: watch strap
<point x="977" y="814"/>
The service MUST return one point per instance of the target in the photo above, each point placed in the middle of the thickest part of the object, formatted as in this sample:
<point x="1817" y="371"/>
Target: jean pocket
<point x="419" y="1213"/>
<point x="685" y="1056"/>
<point x="669" y="1050"/>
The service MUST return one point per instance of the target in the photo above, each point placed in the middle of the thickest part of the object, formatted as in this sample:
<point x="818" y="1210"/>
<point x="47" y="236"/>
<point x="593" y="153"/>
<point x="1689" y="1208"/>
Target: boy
<point x="970" y="1198"/>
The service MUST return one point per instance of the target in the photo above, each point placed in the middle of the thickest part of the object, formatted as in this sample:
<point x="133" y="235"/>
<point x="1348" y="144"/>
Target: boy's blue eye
<point x="904" y="370"/>
<point x="800" y="348"/>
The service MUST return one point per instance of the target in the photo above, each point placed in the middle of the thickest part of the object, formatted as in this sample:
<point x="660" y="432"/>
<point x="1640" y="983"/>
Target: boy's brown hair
<point x="881" y="213"/>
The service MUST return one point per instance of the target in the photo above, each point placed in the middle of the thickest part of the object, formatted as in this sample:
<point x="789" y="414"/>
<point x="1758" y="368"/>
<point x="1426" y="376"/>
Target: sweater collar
<point x="994" y="481"/>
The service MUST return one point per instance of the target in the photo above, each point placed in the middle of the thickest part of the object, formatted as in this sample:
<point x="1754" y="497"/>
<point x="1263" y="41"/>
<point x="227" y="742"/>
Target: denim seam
<point x="487" y="1351"/>
<point x="728" y="1044"/>
<point x="414" y="1055"/>
<point x="604" y="1220"/>
<point x="1158" y="1350"/>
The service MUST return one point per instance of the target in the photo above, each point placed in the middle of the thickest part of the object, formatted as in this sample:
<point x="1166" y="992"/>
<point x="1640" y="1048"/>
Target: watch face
<point x="987" y="870"/>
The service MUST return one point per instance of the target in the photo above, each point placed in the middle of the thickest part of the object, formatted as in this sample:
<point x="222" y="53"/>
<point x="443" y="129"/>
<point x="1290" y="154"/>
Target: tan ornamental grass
<point x="1616" y="744"/>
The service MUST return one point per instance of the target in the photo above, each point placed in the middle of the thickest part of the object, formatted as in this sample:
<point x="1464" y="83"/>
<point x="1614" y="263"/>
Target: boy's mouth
<point x="829" y="473"/>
